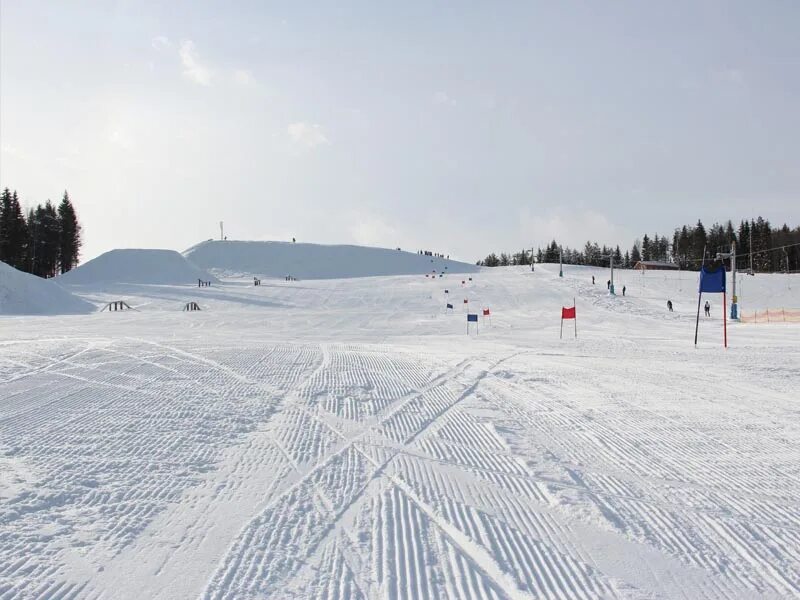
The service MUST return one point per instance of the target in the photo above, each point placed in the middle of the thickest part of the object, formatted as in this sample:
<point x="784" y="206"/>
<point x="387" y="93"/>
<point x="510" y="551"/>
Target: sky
<point x="459" y="127"/>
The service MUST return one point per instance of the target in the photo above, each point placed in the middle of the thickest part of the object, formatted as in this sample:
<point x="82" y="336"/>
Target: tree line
<point x="44" y="242"/>
<point x="774" y="249"/>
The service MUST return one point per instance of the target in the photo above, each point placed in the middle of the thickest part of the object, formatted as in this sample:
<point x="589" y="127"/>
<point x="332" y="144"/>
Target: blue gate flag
<point x="449" y="305"/>
<point x="471" y="317"/>
<point x="712" y="278"/>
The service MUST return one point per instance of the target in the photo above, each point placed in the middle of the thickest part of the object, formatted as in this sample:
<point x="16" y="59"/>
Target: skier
<point x="608" y="284"/>
<point x="592" y="279"/>
<point x="623" y="290"/>
<point x="669" y="305"/>
<point x="708" y="309"/>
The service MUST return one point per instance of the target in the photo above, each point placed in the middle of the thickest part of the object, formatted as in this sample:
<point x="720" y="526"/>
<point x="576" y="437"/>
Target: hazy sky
<point x="458" y="127"/>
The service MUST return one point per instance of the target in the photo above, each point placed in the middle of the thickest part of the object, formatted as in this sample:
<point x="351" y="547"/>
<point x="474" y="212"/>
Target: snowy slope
<point x="345" y="439"/>
<point x="25" y="294"/>
<point x="314" y="261"/>
<point x="136" y="266"/>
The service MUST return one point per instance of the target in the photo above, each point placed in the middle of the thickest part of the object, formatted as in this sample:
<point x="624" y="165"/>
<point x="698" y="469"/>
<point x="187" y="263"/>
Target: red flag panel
<point x="485" y="312"/>
<point x="568" y="313"/>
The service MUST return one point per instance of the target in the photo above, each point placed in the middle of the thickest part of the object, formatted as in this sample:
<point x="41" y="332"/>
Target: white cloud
<point x="243" y="77"/>
<point x="192" y="68"/>
<point x="161" y="42"/>
<point x="120" y="137"/>
<point x="572" y="229"/>
<point x="307" y="135"/>
<point x="730" y="75"/>
<point x="370" y="230"/>
<point x="442" y="98"/>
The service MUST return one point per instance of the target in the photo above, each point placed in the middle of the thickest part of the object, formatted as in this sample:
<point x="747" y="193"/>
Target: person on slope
<point x="669" y="305"/>
<point x="708" y="309"/>
<point x="623" y="290"/>
<point x="592" y="279"/>
<point x="608" y="284"/>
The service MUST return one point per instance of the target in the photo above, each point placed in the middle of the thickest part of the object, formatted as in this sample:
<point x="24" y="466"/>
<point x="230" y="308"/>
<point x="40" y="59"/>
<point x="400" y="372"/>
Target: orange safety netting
<point x="770" y="315"/>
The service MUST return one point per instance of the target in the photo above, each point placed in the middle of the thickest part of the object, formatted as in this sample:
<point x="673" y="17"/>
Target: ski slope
<point x="345" y="439"/>
<point x="25" y="294"/>
<point x="314" y="261"/>
<point x="136" y="265"/>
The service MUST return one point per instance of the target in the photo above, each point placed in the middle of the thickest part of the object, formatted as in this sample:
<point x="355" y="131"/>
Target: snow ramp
<point x="25" y="294"/>
<point x="137" y="266"/>
<point x="315" y="261"/>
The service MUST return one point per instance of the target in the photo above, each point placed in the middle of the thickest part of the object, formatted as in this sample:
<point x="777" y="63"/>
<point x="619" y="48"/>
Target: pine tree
<point x="646" y="248"/>
<point x="19" y="235"/>
<point x="5" y="226"/>
<point x="70" y="232"/>
<point x="699" y="243"/>
<point x="13" y="231"/>
<point x="635" y="254"/>
<point x="730" y="235"/>
<point x="44" y="235"/>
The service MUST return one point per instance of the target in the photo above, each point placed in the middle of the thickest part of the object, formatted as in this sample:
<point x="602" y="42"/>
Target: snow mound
<point x="137" y="266"/>
<point x="25" y="294"/>
<point x="315" y="261"/>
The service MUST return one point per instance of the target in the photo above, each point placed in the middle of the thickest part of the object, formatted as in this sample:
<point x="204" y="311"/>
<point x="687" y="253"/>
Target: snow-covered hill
<point x="346" y="439"/>
<point x="25" y="294"/>
<point x="314" y="261"/>
<point x="136" y="266"/>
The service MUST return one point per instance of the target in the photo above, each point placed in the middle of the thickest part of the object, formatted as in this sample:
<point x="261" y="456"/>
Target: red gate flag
<point x="465" y="301"/>
<point x="485" y="312"/>
<point x="568" y="312"/>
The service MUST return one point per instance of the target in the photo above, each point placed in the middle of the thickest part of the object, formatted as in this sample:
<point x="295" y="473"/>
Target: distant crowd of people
<point x="434" y="254"/>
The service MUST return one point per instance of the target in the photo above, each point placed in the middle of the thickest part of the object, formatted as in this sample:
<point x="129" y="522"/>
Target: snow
<point x="314" y="261"/>
<point x="345" y="438"/>
<point x="25" y="294"/>
<point x="136" y="266"/>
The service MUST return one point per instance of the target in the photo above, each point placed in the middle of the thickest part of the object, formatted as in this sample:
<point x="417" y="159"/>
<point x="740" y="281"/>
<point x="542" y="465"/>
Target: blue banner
<point x="712" y="278"/>
<point x="472" y="317"/>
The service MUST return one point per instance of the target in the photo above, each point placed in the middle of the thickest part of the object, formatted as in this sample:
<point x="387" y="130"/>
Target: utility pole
<point x="221" y="232"/>
<point x="610" y="258"/>
<point x="560" y="263"/>
<point x="788" y="279"/>
<point x="611" y="287"/>
<point x="751" y="249"/>
<point x="735" y="299"/>
<point x="532" y="269"/>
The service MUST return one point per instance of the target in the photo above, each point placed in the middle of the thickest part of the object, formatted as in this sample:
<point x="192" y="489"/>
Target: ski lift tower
<point x="610" y="258"/>
<point x="735" y="299"/>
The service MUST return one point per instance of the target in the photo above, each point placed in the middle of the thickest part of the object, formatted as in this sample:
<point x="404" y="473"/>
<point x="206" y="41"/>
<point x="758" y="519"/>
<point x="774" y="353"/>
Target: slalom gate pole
<point x="576" y="318"/>
<point x="697" y="323"/>
<point x="724" y="321"/>
<point x="561" y="334"/>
